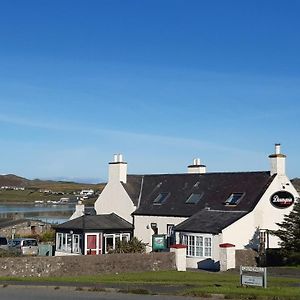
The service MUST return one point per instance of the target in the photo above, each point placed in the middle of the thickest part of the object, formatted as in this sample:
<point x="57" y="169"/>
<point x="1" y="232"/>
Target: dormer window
<point x="234" y="199"/>
<point x="161" y="198"/>
<point x="194" y="198"/>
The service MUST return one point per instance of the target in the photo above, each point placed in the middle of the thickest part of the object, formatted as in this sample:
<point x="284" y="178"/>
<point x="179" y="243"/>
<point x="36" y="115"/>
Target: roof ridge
<point x="195" y="174"/>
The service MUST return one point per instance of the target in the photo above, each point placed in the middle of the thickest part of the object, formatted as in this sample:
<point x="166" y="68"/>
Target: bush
<point x="48" y="236"/>
<point x="45" y="237"/>
<point x="133" y="246"/>
<point x="293" y="259"/>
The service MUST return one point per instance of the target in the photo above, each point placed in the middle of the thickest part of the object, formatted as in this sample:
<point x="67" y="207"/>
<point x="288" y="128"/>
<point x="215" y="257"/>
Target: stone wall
<point x="85" y="265"/>
<point x="25" y="228"/>
<point x="247" y="257"/>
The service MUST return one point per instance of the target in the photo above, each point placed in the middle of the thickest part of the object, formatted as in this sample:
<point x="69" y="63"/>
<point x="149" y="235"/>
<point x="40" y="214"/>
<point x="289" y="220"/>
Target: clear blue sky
<point x="160" y="81"/>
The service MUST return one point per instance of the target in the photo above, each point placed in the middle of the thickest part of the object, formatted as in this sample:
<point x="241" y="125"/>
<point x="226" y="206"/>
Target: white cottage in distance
<point x="204" y="211"/>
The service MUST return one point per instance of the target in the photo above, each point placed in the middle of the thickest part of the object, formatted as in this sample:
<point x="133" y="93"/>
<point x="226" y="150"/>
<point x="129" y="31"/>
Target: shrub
<point x="293" y="259"/>
<point x="132" y="246"/>
<point x="46" y="237"/>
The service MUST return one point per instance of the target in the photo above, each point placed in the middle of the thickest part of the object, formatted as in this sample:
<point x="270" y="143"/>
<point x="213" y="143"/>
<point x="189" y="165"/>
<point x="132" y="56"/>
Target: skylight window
<point x="234" y="198"/>
<point x="161" y="198"/>
<point x="194" y="198"/>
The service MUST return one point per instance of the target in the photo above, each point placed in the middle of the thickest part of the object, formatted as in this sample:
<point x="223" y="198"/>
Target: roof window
<point x="234" y="198"/>
<point x="194" y="198"/>
<point x="161" y="198"/>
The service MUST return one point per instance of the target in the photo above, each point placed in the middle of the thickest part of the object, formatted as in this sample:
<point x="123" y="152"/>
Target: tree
<point x="289" y="230"/>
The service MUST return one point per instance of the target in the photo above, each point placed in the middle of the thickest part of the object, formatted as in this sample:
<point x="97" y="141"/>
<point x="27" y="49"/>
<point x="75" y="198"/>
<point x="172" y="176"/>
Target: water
<point x="55" y="214"/>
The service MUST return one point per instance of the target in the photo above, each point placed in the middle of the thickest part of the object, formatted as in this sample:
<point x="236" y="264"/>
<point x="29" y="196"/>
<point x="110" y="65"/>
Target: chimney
<point x="196" y="167"/>
<point x="79" y="210"/>
<point x="277" y="161"/>
<point x="117" y="170"/>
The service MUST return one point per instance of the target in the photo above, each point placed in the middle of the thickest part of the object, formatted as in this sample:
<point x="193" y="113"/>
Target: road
<point x="67" y="293"/>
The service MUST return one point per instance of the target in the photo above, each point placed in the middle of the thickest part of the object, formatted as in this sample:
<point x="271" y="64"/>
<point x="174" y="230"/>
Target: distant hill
<point x="43" y="189"/>
<point x="12" y="180"/>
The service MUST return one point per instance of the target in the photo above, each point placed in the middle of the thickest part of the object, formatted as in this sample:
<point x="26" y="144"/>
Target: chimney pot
<point x="117" y="171"/>
<point x="277" y="161"/>
<point x="115" y="157"/>
<point x="196" y="167"/>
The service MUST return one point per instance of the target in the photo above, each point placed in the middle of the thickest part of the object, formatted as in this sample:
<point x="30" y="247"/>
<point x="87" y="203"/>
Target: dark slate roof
<point x="210" y="221"/>
<point x="216" y="188"/>
<point x="133" y="187"/>
<point x="97" y="222"/>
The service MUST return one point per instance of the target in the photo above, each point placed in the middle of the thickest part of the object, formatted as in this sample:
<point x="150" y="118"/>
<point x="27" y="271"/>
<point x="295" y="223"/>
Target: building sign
<point x="159" y="242"/>
<point x="253" y="276"/>
<point x="282" y="199"/>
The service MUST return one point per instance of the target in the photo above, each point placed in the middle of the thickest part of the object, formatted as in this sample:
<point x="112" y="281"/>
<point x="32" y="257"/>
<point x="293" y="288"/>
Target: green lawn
<point x="194" y="283"/>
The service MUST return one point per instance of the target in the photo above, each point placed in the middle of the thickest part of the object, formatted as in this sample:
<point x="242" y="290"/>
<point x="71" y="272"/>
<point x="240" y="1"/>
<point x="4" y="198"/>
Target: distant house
<point x="21" y="227"/>
<point x="87" y="192"/>
<point x="15" y="188"/>
<point x="199" y="209"/>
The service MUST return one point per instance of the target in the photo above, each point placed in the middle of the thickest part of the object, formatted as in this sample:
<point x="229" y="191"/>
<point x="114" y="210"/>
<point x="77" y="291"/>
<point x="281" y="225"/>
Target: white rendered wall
<point x="278" y="165"/>
<point x="264" y="216"/>
<point x="114" y="199"/>
<point x="117" y="172"/>
<point x="143" y="231"/>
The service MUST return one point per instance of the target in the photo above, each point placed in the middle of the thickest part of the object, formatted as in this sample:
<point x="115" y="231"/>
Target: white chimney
<point x="196" y="167"/>
<point x="79" y="210"/>
<point x="117" y="170"/>
<point x="277" y="161"/>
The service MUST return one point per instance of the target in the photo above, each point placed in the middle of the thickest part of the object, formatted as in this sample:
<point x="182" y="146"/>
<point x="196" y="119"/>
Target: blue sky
<point x="160" y="81"/>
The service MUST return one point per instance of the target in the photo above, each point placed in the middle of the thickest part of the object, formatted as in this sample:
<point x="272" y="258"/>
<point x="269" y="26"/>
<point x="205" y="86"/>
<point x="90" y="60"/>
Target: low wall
<point x="85" y="265"/>
<point x="247" y="257"/>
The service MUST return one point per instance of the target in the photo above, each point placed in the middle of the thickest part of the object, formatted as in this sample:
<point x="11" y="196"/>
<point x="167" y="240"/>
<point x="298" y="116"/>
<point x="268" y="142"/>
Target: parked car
<point x="25" y="246"/>
<point x="3" y="243"/>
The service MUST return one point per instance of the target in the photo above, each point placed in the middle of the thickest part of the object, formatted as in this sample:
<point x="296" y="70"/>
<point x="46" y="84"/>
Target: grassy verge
<point x="192" y="283"/>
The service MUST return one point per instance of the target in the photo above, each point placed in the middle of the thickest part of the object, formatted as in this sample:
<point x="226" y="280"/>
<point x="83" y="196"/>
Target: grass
<point x="192" y="283"/>
<point x="30" y="194"/>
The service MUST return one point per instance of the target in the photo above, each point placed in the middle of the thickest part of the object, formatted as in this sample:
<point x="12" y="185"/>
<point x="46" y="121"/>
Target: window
<point x="28" y="243"/>
<point x="76" y="243"/>
<point x="197" y="245"/>
<point x="162" y="197"/>
<point x="59" y="241"/>
<point x="68" y="242"/>
<point x="111" y="240"/>
<point x="194" y="198"/>
<point x="234" y="198"/>
<point x="207" y="246"/>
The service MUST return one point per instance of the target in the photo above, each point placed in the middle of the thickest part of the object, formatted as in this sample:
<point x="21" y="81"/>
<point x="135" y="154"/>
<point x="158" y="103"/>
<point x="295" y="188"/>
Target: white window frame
<point x="76" y="243"/>
<point x="63" y="245"/>
<point x="198" y="245"/>
<point x="114" y="236"/>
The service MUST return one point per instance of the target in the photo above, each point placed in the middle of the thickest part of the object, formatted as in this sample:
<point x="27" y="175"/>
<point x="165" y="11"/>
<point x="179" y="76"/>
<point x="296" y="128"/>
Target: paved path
<point x="69" y="293"/>
<point x="115" y="287"/>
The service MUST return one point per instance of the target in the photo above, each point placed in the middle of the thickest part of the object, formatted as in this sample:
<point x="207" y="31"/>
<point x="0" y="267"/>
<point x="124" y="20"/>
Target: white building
<point x="200" y="209"/>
